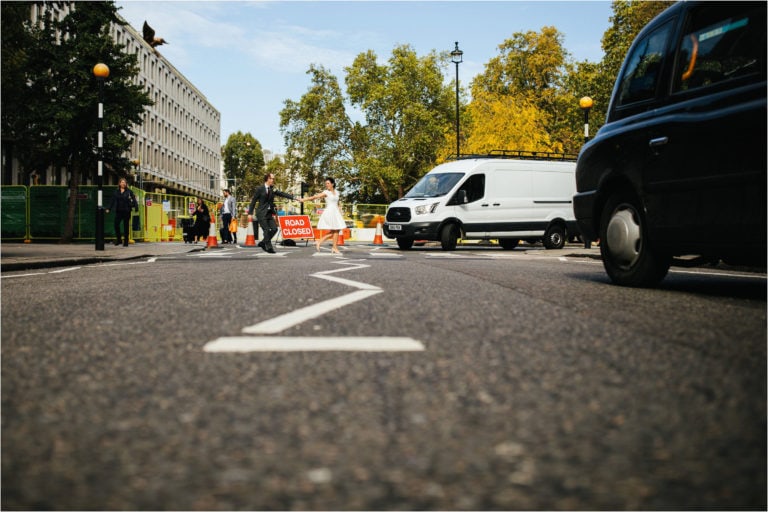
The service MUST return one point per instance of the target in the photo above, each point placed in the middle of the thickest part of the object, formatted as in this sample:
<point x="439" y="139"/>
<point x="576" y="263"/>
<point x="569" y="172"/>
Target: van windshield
<point x="435" y="185"/>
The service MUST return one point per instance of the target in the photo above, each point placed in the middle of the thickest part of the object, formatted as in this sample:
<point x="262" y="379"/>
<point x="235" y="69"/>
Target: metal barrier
<point x="39" y="212"/>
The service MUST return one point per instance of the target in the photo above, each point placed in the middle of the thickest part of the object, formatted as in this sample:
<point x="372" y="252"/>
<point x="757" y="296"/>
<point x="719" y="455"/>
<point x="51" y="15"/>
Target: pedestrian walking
<point x="228" y="212"/>
<point x="266" y="211"/>
<point x="331" y="218"/>
<point x="202" y="221"/>
<point x="123" y="201"/>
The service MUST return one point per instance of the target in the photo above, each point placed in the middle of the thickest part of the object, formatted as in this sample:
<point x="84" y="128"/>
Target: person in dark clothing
<point x="266" y="211"/>
<point x="202" y="221"/>
<point x="123" y="201"/>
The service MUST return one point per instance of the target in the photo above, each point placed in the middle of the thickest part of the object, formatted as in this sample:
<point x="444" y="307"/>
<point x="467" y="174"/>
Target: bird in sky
<point x="149" y="36"/>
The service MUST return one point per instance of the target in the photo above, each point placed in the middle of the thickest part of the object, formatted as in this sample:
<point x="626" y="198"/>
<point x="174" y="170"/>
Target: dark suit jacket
<point x="266" y="204"/>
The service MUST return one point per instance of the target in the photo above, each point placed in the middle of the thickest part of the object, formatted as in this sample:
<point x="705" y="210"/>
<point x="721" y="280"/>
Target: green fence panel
<point x="47" y="211"/>
<point x="13" y="212"/>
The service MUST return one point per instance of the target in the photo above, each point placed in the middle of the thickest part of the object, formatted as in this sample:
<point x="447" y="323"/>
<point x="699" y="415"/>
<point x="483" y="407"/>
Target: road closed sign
<point x="295" y="226"/>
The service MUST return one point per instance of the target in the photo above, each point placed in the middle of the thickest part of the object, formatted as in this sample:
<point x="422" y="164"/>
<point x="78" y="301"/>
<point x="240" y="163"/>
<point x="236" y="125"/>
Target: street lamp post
<point x="101" y="72"/>
<point x="586" y="104"/>
<point x="456" y="58"/>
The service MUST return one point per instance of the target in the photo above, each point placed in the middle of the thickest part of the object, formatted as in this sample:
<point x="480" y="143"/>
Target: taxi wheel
<point x="628" y="255"/>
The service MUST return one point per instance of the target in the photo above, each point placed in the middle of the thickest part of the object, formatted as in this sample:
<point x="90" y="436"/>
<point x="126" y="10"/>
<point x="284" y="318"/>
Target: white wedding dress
<point x="331" y="217"/>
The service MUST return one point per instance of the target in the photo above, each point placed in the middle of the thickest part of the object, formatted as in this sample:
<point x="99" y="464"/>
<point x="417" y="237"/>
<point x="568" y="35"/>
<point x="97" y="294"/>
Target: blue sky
<point x="248" y="57"/>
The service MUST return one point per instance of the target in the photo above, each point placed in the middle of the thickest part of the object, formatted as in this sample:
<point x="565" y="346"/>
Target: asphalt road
<point x="509" y="381"/>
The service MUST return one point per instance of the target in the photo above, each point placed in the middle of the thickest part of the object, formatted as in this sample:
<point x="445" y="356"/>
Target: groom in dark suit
<point x="266" y="211"/>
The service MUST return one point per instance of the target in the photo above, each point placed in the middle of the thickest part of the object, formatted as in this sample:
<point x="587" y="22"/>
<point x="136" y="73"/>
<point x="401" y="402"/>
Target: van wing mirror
<point x="461" y="197"/>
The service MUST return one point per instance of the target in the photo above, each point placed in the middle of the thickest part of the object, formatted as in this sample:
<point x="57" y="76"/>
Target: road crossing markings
<point x="299" y="316"/>
<point x="311" y="344"/>
<point x="314" y="343"/>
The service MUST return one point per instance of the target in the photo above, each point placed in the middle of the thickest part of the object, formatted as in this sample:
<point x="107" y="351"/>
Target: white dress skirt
<point x="331" y="217"/>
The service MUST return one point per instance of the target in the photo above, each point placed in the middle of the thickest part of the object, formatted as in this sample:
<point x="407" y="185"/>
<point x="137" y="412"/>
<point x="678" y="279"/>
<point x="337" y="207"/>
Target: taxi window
<point x="643" y="69"/>
<point x="722" y="41"/>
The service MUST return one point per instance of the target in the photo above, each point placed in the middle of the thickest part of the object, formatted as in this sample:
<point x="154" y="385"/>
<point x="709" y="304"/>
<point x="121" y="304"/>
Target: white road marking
<point x="64" y="270"/>
<point x="304" y="344"/>
<point x="299" y="316"/>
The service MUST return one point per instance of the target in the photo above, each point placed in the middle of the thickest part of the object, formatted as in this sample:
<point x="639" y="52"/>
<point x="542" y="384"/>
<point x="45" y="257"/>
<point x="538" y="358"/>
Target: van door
<point x="474" y="213"/>
<point x="511" y="208"/>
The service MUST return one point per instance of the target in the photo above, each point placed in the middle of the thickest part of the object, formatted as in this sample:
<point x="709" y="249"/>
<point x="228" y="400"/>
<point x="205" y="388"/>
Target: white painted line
<point x="348" y="282"/>
<point x="64" y="270"/>
<point x="299" y="316"/>
<point x="314" y="344"/>
<point x="24" y="275"/>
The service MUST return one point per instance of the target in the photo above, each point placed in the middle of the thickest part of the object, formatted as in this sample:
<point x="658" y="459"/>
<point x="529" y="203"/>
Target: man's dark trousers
<point x="226" y="218"/>
<point x="268" y="227"/>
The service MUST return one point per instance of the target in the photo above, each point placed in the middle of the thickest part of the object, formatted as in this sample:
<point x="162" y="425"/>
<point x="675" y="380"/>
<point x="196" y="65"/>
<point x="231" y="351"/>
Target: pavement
<point x="26" y="256"/>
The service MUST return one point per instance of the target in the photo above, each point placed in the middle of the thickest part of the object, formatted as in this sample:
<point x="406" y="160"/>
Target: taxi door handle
<point x="659" y="141"/>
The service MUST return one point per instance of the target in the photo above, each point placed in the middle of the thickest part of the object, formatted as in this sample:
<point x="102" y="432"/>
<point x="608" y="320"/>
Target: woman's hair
<point x="333" y="181"/>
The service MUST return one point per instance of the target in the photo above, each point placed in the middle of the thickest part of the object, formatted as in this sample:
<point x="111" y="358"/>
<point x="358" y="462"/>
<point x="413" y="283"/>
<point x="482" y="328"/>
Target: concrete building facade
<point x="177" y="148"/>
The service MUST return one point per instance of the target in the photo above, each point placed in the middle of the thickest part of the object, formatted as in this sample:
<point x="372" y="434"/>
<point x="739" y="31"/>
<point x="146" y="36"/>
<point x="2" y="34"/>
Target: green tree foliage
<point x="505" y="121"/>
<point x="16" y="43"/>
<point x="316" y="130"/>
<point x="243" y="159"/>
<point x="59" y="125"/>
<point x="407" y="108"/>
<point x="528" y="75"/>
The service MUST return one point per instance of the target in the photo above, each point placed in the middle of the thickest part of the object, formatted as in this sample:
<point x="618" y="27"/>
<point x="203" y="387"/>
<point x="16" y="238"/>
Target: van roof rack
<point x="522" y="154"/>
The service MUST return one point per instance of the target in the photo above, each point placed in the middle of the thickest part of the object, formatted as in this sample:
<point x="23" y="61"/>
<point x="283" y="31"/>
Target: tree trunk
<point x="69" y="224"/>
<point x="384" y="190"/>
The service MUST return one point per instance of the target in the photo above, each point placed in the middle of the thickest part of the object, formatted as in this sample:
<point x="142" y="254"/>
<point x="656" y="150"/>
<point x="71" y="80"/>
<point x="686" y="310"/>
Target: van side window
<point x="641" y="75"/>
<point x="722" y="41"/>
<point x="475" y="187"/>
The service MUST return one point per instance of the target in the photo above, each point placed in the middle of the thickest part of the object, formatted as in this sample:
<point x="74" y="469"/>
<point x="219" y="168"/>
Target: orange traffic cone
<point x="212" y="242"/>
<point x="340" y="240"/>
<point x="378" y="239"/>
<point x="250" y="239"/>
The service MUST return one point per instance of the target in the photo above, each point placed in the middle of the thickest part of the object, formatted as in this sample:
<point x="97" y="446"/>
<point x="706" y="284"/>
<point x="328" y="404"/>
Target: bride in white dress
<point x="331" y="218"/>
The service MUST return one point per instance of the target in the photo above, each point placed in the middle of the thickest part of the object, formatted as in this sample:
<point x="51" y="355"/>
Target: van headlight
<point x="421" y="210"/>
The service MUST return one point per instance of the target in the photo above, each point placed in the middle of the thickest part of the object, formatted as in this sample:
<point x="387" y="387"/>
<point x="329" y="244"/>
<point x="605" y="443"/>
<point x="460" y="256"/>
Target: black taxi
<point x="679" y="168"/>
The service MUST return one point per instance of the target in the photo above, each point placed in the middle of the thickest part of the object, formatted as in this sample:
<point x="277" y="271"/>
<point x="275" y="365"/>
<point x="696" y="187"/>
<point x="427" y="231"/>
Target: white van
<point x="484" y="198"/>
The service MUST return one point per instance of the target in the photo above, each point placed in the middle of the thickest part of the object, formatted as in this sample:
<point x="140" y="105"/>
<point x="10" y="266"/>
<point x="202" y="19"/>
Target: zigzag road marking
<point x="299" y="316"/>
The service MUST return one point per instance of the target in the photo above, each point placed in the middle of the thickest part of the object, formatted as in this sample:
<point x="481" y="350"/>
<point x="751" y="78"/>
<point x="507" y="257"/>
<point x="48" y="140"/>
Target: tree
<point x="243" y="160"/>
<point x="506" y="121"/>
<point x="528" y="76"/>
<point x="407" y="107"/>
<point x="16" y="42"/>
<point x="61" y="94"/>
<point x="316" y="130"/>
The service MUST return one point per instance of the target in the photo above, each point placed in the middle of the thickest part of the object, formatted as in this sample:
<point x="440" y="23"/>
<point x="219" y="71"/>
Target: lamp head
<point x="101" y="70"/>
<point x="585" y="102"/>
<point x="456" y="54"/>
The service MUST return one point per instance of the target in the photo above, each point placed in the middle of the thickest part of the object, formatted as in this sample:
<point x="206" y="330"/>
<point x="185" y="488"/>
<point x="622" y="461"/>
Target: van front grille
<point x="399" y="215"/>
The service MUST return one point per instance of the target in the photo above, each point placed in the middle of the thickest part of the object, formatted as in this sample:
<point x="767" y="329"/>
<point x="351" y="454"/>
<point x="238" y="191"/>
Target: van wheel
<point x="554" y="237"/>
<point x="449" y="235"/>
<point x="508" y="243"/>
<point x="628" y="255"/>
<point x="404" y="243"/>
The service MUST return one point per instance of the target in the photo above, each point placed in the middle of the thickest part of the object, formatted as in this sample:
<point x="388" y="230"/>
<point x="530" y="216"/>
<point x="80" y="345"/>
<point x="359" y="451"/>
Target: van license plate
<point x="395" y="227"/>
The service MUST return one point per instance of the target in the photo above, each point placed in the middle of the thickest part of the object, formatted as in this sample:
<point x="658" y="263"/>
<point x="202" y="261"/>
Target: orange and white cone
<point x="212" y="242"/>
<point x="378" y="239"/>
<point x="250" y="238"/>
<point x="340" y="240"/>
